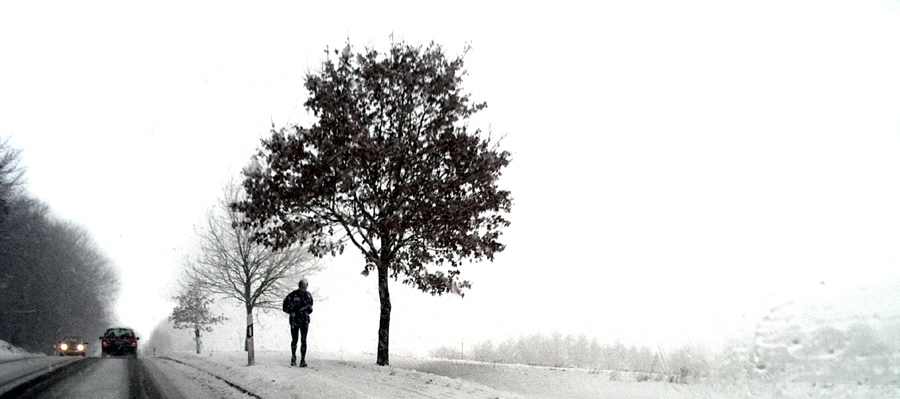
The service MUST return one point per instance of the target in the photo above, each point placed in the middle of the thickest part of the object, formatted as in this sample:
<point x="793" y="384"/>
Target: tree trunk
<point x="197" y="338"/>
<point x="384" y="325"/>
<point x="251" y="355"/>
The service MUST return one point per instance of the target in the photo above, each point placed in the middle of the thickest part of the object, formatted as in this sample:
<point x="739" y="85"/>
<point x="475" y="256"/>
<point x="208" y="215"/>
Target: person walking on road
<point x="299" y="304"/>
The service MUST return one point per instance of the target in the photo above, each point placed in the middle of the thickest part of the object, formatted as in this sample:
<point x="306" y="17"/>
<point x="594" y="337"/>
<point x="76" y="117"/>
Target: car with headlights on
<point x="119" y="341"/>
<point x="71" y="346"/>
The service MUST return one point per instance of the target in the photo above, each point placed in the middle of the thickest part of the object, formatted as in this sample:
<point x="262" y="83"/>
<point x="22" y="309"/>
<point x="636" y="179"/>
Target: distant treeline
<point x="557" y="350"/>
<point x="53" y="279"/>
<point x="781" y="348"/>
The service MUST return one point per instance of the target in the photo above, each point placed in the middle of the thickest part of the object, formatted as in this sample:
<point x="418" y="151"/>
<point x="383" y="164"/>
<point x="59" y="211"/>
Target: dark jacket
<point x="299" y="305"/>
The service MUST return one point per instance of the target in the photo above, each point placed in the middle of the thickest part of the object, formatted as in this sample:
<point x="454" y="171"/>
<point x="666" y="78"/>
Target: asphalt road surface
<point x="106" y="378"/>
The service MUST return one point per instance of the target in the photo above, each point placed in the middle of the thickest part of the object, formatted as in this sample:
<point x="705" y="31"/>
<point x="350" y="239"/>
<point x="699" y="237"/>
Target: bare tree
<point x="232" y="265"/>
<point x="193" y="312"/>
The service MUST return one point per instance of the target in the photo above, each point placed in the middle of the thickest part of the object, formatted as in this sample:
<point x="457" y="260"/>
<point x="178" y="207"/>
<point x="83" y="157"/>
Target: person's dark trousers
<point x="302" y="329"/>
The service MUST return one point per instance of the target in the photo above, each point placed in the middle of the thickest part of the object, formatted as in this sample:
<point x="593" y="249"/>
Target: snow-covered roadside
<point x="176" y="381"/>
<point x="18" y="366"/>
<point x="431" y="378"/>
<point x="547" y="382"/>
<point x="9" y="352"/>
<point x="271" y="377"/>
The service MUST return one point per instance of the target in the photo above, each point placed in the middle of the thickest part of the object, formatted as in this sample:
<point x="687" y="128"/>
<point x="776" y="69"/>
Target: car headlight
<point x="64" y="347"/>
<point x="80" y="347"/>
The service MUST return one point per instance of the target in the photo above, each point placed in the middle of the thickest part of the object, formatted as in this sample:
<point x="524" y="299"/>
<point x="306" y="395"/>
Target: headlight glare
<point x="80" y="347"/>
<point x="63" y="346"/>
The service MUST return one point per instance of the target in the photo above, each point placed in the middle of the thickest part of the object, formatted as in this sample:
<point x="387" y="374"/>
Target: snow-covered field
<point x="329" y="377"/>
<point x="271" y="377"/>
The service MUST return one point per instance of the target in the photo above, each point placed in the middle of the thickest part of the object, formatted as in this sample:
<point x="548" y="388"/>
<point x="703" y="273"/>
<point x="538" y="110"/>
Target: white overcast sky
<point x="678" y="166"/>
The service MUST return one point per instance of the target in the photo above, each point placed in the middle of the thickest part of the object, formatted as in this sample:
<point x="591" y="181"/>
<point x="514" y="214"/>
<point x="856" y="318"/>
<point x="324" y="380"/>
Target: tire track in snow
<point x="231" y="384"/>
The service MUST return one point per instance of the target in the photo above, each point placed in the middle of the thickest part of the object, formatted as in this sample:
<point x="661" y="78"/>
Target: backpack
<point x="287" y="304"/>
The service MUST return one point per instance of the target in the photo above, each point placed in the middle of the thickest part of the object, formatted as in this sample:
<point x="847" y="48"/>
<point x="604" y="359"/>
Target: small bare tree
<point x="193" y="312"/>
<point x="232" y="265"/>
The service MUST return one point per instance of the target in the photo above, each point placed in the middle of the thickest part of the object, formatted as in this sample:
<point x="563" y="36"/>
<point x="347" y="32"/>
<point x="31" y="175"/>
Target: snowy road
<point x="108" y="378"/>
<point x="19" y="370"/>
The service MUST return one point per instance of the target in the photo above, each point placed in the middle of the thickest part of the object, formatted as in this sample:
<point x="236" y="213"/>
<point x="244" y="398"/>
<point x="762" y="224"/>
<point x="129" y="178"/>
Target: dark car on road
<point x="119" y="342"/>
<point x="71" y="346"/>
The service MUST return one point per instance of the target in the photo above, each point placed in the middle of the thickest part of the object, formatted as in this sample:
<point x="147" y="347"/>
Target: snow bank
<point x="271" y="377"/>
<point x="417" y="378"/>
<point x="8" y="351"/>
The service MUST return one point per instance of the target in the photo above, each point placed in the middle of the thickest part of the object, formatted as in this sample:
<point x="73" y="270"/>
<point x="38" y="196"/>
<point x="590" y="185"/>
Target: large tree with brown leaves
<point x="390" y="167"/>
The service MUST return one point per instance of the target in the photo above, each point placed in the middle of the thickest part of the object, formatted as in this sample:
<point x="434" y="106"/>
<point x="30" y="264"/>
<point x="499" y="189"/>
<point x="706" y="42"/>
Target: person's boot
<point x="303" y="355"/>
<point x="293" y="360"/>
